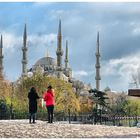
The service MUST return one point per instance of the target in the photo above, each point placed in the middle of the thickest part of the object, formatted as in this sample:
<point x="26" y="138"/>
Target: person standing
<point x="50" y="101"/>
<point x="32" y="96"/>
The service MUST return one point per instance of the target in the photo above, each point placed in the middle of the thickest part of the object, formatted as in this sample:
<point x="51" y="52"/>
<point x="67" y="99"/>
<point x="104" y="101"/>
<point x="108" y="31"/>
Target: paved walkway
<point x="22" y="129"/>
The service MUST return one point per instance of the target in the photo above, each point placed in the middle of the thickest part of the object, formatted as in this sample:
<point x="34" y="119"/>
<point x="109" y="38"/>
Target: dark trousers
<point x="32" y="116"/>
<point x="50" y="109"/>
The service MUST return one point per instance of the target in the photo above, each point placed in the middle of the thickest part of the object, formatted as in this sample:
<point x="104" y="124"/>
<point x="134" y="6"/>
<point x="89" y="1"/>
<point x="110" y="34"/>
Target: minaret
<point x="59" y="51"/>
<point x="97" y="77"/>
<point x="66" y="55"/>
<point x="1" y="58"/>
<point x="24" y="50"/>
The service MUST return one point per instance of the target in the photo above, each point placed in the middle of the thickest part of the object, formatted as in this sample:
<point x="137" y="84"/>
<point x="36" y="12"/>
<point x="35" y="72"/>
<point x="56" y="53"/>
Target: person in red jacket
<point x="50" y="101"/>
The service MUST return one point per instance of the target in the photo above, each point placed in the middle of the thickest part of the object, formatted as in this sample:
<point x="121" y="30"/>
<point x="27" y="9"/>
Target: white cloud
<point x="115" y="23"/>
<point x="135" y="25"/>
<point x="12" y="45"/>
<point x="11" y="41"/>
<point x="80" y="73"/>
<point x="123" y="68"/>
<point x="56" y="14"/>
<point x="45" y="39"/>
<point x="136" y="31"/>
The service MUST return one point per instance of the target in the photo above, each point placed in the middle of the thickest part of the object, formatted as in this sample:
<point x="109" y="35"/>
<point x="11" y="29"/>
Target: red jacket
<point x="49" y="98"/>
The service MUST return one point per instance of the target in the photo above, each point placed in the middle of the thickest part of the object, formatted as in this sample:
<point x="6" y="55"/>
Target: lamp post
<point x="69" y="116"/>
<point x="136" y="115"/>
<point x="11" y="107"/>
<point x="100" y="111"/>
<point x="129" y="109"/>
<point x="65" y="104"/>
<point x="105" y="115"/>
<point x="96" y="109"/>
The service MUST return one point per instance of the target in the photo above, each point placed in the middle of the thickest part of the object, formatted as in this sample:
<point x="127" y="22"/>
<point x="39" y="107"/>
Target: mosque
<point x="54" y="67"/>
<point x="49" y="65"/>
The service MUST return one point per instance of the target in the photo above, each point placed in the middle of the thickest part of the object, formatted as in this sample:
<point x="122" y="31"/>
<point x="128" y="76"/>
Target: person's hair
<point x="49" y="87"/>
<point x="33" y="89"/>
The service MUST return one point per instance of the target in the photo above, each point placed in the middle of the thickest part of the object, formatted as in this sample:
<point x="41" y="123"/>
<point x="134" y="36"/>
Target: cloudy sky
<point x="118" y="24"/>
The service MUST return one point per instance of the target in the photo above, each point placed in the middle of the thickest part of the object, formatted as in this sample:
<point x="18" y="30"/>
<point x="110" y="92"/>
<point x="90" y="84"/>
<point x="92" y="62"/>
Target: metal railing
<point x="130" y="121"/>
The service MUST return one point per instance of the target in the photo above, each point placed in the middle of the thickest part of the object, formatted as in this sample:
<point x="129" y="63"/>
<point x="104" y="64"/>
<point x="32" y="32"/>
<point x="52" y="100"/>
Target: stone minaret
<point x="59" y="51"/>
<point x="24" y="50"/>
<point x="66" y="56"/>
<point x="97" y="77"/>
<point x="1" y="59"/>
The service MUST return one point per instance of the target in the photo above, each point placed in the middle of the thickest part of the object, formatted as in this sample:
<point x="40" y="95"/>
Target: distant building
<point x="134" y="92"/>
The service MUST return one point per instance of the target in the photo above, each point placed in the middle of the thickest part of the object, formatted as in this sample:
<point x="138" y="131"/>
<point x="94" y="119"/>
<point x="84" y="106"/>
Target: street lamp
<point x="11" y="107"/>
<point x="30" y="74"/>
<point x="100" y="111"/>
<point x="65" y="104"/>
<point x="96" y="109"/>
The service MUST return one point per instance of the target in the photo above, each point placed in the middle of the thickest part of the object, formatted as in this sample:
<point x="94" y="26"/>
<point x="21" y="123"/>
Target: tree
<point x="135" y="78"/>
<point x="99" y="97"/>
<point x="41" y="82"/>
<point x="5" y="91"/>
<point x="78" y="85"/>
<point x="132" y="107"/>
<point x="86" y="104"/>
<point x="117" y="103"/>
<point x="5" y="99"/>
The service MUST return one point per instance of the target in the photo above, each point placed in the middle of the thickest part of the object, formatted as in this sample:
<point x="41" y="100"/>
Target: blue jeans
<point x="32" y="116"/>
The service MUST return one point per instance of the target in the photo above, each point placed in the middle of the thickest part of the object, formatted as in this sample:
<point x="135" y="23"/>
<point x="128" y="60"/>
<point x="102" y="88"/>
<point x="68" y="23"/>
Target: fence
<point x="121" y="120"/>
<point x="130" y="121"/>
<point x="84" y="119"/>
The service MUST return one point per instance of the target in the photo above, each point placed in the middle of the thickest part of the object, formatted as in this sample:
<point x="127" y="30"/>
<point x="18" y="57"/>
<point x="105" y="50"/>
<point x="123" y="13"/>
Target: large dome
<point x="46" y="61"/>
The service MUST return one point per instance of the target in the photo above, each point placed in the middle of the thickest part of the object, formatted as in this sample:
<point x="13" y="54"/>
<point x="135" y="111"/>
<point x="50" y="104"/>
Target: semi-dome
<point x="46" y="61"/>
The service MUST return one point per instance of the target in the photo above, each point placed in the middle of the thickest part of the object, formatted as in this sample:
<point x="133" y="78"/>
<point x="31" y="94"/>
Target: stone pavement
<point x="22" y="129"/>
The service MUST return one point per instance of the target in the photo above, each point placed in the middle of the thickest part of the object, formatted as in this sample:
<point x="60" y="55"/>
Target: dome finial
<point x="47" y="54"/>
